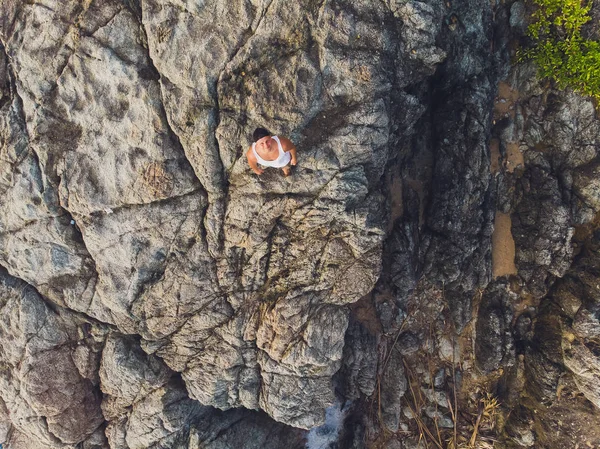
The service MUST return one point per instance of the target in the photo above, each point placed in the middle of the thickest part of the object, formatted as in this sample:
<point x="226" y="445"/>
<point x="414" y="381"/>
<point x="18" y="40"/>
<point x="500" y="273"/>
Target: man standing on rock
<point x="271" y="151"/>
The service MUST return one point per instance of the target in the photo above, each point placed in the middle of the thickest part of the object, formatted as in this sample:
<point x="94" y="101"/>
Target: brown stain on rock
<point x="514" y="157"/>
<point x="495" y="155"/>
<point x="511" y="160"/>
<point x="503" y="247"/>
<point x="505" y="101"/>
<point x="156" y="179"/>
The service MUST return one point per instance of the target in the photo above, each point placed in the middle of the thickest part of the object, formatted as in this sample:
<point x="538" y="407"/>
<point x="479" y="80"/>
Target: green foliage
<point x="559" y="50"/>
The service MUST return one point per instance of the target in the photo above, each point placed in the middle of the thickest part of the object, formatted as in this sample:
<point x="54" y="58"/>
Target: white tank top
<point x="283" y="159"/>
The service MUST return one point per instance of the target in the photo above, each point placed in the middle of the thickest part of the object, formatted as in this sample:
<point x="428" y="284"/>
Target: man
<point x="271" y="151"/>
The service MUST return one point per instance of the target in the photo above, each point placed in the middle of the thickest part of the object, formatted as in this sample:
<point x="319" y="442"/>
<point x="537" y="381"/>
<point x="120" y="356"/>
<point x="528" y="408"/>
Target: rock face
<point x="49" y="377"/>
<point x="127" y="149"/>
<point x="158" y="294"/>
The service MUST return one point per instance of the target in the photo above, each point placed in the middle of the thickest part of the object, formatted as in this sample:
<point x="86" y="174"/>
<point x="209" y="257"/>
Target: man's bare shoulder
<point x="286" y="143"/>
<point x="250" y="153"/>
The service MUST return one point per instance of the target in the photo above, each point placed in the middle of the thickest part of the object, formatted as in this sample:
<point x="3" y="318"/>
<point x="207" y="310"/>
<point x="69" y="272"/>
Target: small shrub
<point x="559" y="50"/>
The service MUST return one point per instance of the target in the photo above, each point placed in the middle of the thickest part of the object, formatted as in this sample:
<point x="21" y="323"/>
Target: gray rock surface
<point x="45" y="391"/>
<point x="394" y="385"/>
<point x="554" y="217"/>
<point x="359" y="367"/>
<point x="130" y="124"/>
<point x="494" y="343"/>
<point x="129" y="201"/>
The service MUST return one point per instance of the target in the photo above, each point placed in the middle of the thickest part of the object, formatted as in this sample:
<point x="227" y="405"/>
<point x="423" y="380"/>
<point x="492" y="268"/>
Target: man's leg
<point x="287" y="170"/>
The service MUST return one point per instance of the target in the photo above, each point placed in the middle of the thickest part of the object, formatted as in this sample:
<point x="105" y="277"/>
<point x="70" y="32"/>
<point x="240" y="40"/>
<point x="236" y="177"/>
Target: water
<point x="325" y="436"/>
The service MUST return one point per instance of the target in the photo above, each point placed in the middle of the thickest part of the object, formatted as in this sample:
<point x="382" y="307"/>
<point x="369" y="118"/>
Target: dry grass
<point x="466" y="434"/>
<point x="416" y="403"/>
<point x="473" y="427"/>
<point x="470" y="411"/>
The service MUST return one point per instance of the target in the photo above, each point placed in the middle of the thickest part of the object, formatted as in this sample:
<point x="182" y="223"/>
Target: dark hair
<point x="259" y="133"/>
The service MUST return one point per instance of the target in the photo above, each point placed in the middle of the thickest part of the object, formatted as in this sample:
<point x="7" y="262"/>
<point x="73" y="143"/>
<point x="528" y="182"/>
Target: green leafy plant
<point x="559" y="50"/>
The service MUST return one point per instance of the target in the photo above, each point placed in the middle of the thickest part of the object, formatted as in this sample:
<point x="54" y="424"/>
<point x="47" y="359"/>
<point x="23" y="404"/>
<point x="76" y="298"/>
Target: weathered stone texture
<point x="158" y="294"/>
<point x="44" y="392"/>
<point x="129" y="199"/>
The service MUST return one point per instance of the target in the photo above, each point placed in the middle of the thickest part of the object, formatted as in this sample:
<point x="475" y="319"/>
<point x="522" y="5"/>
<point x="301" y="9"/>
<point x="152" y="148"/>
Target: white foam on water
<point x="324" y="436"/>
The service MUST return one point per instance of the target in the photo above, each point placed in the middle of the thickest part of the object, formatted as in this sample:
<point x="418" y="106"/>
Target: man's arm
<point x="253" y="162"/>
<point x="289" y="147"/>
